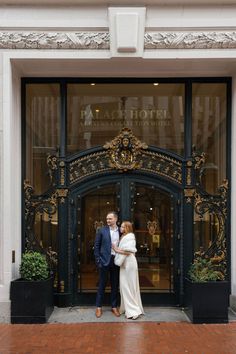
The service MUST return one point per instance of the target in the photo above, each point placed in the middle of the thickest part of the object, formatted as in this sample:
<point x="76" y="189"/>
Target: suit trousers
<point x="104" y="271"/>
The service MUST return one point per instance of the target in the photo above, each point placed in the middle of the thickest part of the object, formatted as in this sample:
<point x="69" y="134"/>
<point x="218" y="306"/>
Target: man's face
<point x="111" y="220"/>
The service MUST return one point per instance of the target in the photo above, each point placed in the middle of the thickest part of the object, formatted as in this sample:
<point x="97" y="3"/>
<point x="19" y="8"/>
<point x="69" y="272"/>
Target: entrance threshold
<point x="83" y="314"/>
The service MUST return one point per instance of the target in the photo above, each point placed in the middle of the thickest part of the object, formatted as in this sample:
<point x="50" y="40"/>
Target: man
<point x="104" y="258"/>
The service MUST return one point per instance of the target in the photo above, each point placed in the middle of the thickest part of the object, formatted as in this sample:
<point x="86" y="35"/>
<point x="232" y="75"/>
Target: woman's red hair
<point x="127" y="226"/>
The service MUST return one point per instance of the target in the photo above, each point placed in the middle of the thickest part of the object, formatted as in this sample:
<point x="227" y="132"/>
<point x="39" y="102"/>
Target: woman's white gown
<point x="131" y="303"/>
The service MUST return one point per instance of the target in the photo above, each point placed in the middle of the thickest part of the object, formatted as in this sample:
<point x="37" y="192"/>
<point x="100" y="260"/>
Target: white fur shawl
<point x="127" y="243"/>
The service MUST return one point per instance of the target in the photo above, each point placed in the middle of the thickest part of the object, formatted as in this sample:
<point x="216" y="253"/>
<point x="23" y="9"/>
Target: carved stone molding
<point x="101" y="40"/>
<point x="190" y="40"/>
<point x="54" y="40"/>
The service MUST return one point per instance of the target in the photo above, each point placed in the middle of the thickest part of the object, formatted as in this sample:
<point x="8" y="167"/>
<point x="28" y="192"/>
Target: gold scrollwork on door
<point x="125" y="153"/>
<point x="189" y="173"/>
<point x="214" y="205"/>
<point x="62" y="194"/>
<point x="189" y="193"/>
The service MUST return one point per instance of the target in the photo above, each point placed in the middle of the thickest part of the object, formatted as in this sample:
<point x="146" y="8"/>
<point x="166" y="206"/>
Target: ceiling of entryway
<point x="125" y="67"/>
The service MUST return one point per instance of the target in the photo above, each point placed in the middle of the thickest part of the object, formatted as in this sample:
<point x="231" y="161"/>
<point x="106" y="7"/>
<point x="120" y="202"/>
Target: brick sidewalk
<point x="122" y="338"/>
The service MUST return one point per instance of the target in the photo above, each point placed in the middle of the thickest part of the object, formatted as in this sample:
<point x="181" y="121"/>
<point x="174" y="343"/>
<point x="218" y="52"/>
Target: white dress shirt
<point x="114" y="238"/>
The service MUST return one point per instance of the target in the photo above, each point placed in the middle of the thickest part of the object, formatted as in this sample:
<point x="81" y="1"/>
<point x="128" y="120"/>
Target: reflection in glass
<point x="154" y="236"/>
<point x="153" y="226"/>
<point x="97" y="113"/>
<point x="42" y="131"/>
<point x="206" y="229"/>
<point x="96" y="205"/>
<point x="209" y="131"/>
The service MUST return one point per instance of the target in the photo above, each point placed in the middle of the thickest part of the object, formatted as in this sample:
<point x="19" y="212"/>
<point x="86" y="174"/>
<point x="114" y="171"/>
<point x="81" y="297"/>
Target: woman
<point x="131" y="303"/>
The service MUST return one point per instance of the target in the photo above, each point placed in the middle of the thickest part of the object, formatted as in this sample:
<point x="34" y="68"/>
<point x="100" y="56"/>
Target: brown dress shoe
<point x="115" y="311"/>
<point x="98" y="312"/>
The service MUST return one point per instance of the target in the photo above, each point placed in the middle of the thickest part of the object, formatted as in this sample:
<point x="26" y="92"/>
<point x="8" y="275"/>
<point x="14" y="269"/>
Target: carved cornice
<point x="190" y="40"/>
<point x="101" y="40"/>
<point x="54" y="40"/>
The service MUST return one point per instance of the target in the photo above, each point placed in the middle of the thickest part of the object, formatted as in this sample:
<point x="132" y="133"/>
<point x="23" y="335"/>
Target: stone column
<point x="10" y="181"/>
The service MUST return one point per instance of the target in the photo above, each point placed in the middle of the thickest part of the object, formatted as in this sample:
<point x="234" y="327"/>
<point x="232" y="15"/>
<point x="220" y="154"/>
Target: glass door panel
<point x="153" y="223"/>
<point x="95" y="206"/>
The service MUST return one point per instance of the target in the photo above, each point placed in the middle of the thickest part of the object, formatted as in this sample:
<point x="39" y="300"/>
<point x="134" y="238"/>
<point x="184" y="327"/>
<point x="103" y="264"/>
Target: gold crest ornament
<point x="124" y="149"/>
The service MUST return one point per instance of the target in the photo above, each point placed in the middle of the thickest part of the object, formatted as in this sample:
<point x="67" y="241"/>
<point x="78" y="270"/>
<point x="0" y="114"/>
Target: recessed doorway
<point x="154" y="214"/>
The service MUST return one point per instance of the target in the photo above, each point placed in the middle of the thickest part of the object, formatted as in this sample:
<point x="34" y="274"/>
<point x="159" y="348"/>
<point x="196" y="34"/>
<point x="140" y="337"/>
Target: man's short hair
<point x="114" y="213"/>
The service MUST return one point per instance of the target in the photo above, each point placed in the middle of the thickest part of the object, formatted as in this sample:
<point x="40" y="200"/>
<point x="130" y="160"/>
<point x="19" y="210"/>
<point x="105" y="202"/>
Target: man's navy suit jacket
<point x="102" y="247"/>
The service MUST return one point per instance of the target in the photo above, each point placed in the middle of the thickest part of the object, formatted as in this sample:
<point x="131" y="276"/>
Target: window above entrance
<point x="97" y="112"/>
<point x="69" y="116"/>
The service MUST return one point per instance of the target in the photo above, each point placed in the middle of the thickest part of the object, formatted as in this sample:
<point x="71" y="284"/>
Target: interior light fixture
<point x="155" y="83"/>
<point x="92" y="84"/>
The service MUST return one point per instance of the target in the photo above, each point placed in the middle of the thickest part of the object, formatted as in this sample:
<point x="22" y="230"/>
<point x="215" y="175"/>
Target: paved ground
<point x="77" y="331"/>
<point x="118" y="338"/>
<point x="87" y="314"/>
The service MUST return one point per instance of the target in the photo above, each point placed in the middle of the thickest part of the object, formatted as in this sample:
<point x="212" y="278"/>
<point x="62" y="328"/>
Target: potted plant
<point x="32" y="295"/>
<point x="207" y="291"/>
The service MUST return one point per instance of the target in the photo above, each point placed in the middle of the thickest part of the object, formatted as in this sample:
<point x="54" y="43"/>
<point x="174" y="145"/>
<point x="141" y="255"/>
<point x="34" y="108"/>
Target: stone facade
<point x="177" y="40"/>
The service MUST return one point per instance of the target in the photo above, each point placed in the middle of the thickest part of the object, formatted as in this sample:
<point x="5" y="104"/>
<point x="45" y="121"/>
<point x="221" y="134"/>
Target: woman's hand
<point x="120" y="251"/>
<point x="114" y="247"/>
